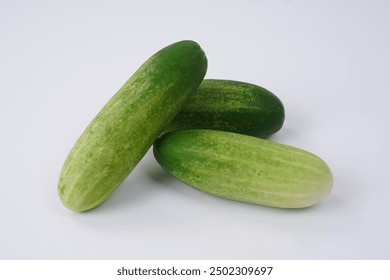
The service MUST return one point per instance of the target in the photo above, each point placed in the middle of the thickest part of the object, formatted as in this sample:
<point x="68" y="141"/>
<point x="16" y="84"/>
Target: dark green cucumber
<point x="244" y="168"/>
<point x="231" y="106"/>
<point x="123" y="131"/>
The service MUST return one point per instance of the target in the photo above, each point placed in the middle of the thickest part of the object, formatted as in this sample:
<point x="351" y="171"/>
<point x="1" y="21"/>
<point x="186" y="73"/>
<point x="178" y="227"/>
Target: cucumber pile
<point x="210" y="134"/>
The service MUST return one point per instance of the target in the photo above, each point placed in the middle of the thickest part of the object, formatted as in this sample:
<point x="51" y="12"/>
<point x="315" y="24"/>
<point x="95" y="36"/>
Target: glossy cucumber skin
<point x="244" y="168"/>
<point x="126" y="127"/>
<point x="231" y="106"/>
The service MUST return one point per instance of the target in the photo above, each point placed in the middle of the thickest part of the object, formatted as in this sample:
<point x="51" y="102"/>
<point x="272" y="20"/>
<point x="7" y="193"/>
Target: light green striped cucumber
<point x="231" y="106"/>
<point x="244" y="168"/>
<point x="126" y="127"/>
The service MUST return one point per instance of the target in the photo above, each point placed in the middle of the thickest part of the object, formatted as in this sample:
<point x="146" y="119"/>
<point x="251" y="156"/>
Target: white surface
<point x="328" y="61"/>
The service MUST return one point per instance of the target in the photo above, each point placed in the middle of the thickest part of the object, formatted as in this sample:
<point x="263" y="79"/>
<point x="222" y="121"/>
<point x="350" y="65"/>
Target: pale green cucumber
<point x="231" y="106"/>
<point x="244" y="168"/>
<point x="123" y="131"/>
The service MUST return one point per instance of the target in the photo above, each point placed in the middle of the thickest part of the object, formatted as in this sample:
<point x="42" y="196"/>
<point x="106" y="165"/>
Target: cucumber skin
<point x="244" y="168"/>
<point x="231" y="106"/>
<point x="123" y="131"/>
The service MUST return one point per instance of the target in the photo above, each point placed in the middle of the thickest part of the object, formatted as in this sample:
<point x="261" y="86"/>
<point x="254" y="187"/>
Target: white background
<point x="328" y="61"/>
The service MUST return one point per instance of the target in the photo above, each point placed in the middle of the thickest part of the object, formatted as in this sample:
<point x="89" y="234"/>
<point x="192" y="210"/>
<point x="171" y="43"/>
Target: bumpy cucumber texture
<point x="244" y="168"/>
<point x="231" y="106"/>
<point x="126" y="127"/>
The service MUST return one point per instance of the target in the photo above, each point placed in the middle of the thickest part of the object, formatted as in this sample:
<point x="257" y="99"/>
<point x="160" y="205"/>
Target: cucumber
<point x="244" y="168"/>
<point x="123" y="131"/>
<point x="231" y="106"/>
